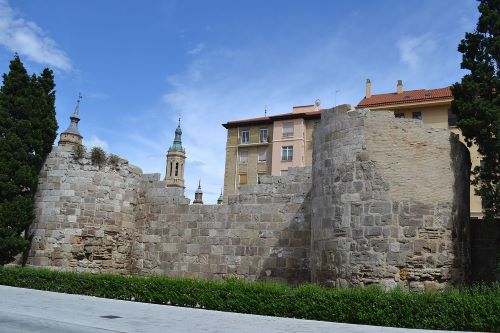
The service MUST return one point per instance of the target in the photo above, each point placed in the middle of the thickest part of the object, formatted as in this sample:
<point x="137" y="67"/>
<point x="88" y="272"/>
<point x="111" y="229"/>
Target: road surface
<point x="26" y="310"/>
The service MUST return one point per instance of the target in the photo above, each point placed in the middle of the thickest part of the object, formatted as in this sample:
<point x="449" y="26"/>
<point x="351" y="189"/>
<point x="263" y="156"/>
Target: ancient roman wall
<point x="115" y="219"/>
<point x="262" y="234"/>
<point x="84" y="214"/>
<point x="389" y="202"/>
<point x="485" y="251"/>
<point x="386" y="201"/>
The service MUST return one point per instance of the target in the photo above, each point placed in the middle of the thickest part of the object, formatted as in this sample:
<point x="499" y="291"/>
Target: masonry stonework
<point x="116" y="219"/>
<point x="389" y="202"/>
<point x="85" y="214"/>
<point x="369" y="211"/>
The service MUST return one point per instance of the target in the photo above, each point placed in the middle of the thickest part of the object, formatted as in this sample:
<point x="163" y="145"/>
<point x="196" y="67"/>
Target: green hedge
<point x="476" y="308"/>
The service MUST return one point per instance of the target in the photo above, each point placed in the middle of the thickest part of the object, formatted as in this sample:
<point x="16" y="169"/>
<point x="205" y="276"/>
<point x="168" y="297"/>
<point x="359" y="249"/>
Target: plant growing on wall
<point x="28" y="128"/>
<point x="79" y="151"/>
<point x="113" y="160"/>
<point x="477" y="102"/>
<point x="97" y="156"/>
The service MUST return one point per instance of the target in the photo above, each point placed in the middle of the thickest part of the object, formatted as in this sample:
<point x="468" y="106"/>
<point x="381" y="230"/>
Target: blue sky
<point x="140" y="65"/>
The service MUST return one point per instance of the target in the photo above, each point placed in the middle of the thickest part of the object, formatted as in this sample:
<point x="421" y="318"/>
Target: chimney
<point x="400" y="86"/>
<point x="368" y="88"/>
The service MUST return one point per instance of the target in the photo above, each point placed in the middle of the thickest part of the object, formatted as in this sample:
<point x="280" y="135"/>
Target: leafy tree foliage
<point x="477" y="102"/>
<point x="28" y="128"/>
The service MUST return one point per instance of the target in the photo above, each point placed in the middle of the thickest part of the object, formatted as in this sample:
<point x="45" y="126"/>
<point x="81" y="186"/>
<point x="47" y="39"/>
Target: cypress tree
<point x="27" y="131"/>
<point x="477" y="102"/>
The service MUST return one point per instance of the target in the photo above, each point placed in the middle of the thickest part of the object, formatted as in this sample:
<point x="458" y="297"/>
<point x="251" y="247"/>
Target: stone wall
<point x="85" y="214"/>
<point x="262" y="234"/>
<point x="485" y="251"/>
<point x="389" y="202"/>
<point x="115" y="219"/>
<point x="384" y="202"/>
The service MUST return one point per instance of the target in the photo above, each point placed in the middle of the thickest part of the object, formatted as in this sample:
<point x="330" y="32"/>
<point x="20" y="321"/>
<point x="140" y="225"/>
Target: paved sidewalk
<point x="26" y="310"/>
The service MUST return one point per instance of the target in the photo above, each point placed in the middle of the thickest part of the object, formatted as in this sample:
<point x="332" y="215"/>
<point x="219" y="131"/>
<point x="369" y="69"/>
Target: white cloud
<point x="413" y="49"/>
<point x="97" y="96"/>
<point x="197" y="49"/>
<point x="94" y="141"/>
<point x="28" y="39"/>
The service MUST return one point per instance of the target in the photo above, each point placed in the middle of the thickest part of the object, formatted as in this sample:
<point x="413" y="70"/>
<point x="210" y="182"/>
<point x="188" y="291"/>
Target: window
<point x="284" y="172"/>
<point x="288" y="129"/>
<point x="245" y="136"/>
<point x="287" y="153"/>
<point x="416" y="115"/>
<point x="399" y="114"/>
<point x="452" y="119"/>
<point x="243" y="179"/>
<point x="262" y="154"/>
<point x="176" y="169"/>
<point x="263" y="135"/>
<point x="243" y="156"/>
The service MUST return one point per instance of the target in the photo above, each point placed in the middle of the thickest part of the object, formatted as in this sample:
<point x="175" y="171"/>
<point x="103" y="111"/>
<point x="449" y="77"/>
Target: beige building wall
<point x="238" y="171"/>
<point x="280" y="140"/>
<point x="435" y="114"/>
<point x="310" y="123"/>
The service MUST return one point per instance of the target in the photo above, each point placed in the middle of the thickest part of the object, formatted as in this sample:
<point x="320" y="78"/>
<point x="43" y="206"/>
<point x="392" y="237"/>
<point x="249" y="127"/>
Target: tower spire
<point x="221" y="198"/>
<point x="72" y="135"/>
<point x="198" y="195"/>
<point x="177" y="144"/>
<point x="176" y="156"/>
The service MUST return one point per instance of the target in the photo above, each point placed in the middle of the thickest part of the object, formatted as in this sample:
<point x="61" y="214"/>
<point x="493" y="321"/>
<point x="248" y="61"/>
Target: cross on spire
<point x="77" y="107"/>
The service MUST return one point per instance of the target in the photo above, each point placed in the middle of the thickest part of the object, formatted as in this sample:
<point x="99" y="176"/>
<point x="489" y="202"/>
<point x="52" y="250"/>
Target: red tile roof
<point x="270" y="119"/>
<point x="410" y="96"/>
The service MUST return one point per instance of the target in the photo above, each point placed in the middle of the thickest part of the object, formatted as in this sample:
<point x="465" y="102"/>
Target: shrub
<point x="113" y="160"/>
<point x="79" y="151"/>
<point x="476" y="308"/>
<point x="97" y="156"/>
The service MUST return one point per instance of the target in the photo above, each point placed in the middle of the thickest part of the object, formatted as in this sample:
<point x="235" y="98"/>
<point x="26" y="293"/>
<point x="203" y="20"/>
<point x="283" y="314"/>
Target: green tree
<point x="477" y="102"/>
<point x="27" y="131"/>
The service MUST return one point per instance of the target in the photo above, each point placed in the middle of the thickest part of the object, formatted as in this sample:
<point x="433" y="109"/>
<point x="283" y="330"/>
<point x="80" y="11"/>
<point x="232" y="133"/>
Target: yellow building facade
<point x="268" y="146"/>
<point x="432" y="106"/>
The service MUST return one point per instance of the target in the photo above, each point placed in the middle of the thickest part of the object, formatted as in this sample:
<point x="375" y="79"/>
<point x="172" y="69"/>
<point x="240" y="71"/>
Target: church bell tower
<point x="176" y="156"/>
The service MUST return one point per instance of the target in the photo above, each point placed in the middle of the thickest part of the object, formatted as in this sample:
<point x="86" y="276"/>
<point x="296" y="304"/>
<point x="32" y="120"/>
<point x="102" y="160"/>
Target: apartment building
<point x="268" y="146"/>
<point x="432" y="106"/>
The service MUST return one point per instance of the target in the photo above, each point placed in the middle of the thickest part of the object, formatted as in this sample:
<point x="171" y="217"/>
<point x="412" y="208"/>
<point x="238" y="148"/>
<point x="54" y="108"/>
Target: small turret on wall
<point x="72" y="136"/>
<point x="176" y="156"/>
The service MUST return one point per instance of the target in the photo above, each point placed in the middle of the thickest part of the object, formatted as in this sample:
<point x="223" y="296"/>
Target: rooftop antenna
<point x="265" y="110"/>
<point x="335" y="99"/>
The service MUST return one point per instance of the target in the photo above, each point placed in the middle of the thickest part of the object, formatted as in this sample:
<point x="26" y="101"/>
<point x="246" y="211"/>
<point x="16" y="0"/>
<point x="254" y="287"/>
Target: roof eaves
<point x="408" y="101"/>
<point x="270" y="119"/>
